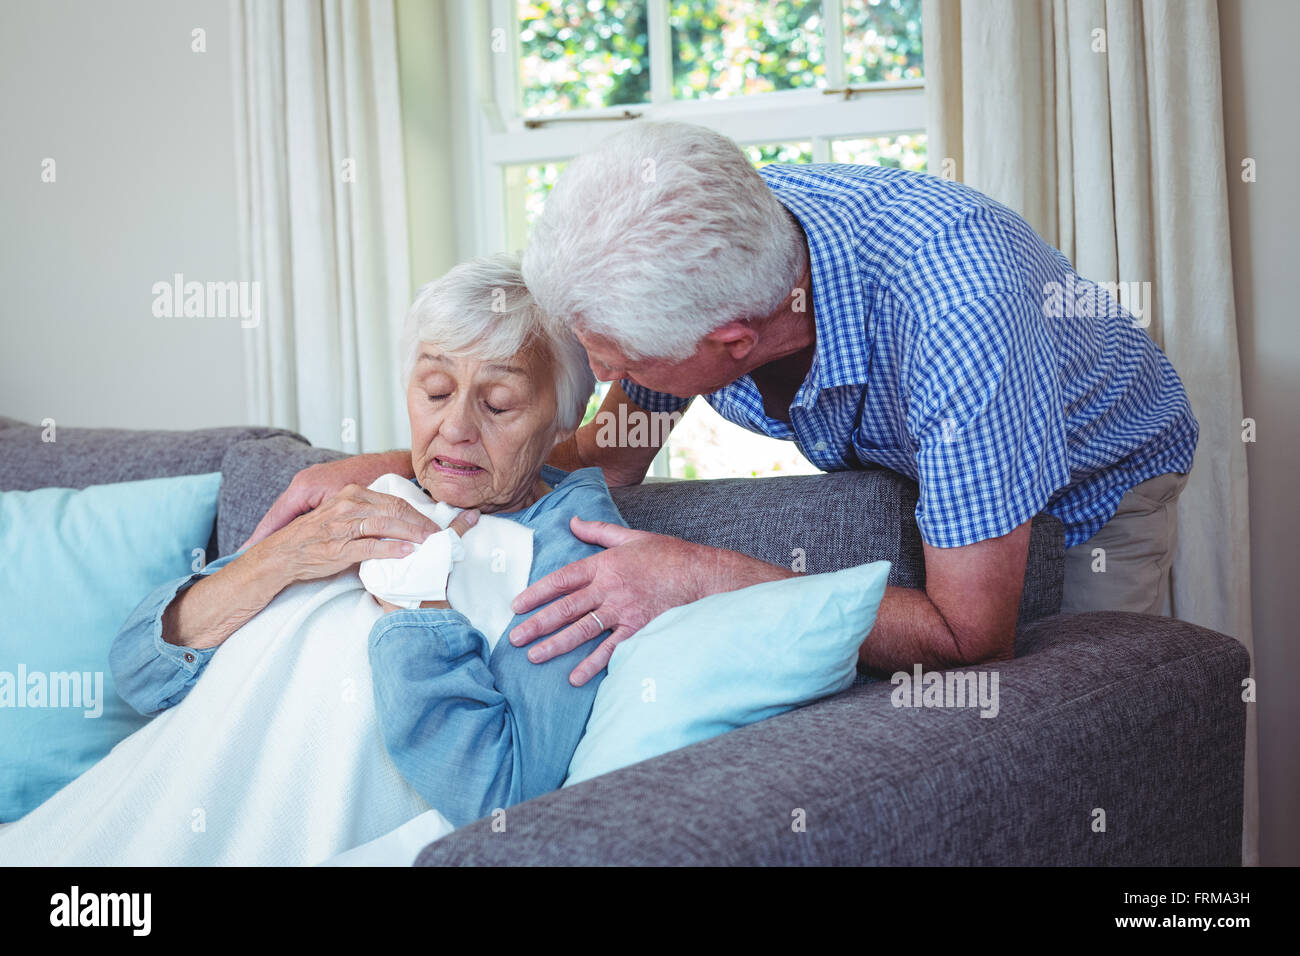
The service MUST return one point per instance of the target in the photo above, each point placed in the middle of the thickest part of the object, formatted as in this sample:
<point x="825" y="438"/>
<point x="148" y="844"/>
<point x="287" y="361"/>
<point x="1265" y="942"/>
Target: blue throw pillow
<point x="728" y="660"/>
<point x="73" y="565"/>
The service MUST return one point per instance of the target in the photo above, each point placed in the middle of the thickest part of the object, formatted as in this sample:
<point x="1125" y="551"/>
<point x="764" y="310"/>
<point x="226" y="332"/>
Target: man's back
<point x="987" y="339"/>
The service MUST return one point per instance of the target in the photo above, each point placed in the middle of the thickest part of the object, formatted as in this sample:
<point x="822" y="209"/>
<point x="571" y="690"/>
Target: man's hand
<point x="312" y="486"/>
<point x="640" y="576"/>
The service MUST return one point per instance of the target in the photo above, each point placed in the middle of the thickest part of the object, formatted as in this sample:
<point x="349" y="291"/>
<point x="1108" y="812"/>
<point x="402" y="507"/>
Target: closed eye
<point x="493" y="409"/>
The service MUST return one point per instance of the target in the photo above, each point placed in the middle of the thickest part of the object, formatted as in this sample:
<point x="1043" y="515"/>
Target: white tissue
<point x="478" y="574"/>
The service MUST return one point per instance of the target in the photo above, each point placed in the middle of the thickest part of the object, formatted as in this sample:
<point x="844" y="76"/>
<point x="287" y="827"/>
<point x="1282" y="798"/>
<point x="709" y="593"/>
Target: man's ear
<point x="737" y="338"/>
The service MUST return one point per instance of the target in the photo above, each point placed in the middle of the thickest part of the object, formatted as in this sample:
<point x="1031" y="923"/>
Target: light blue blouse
<point x="470" y="730"/>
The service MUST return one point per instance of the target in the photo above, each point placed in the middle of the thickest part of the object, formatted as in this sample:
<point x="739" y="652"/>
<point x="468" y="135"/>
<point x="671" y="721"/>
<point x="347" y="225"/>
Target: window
<point x="792" y="81"/>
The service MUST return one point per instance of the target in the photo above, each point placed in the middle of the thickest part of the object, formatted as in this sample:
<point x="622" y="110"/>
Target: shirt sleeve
<point x="150" y="674"/>
<point x="474" y="730"/>
<point x="984" y="412"/>
<point x="450" y="731"/>
<point x="652" y="401"/>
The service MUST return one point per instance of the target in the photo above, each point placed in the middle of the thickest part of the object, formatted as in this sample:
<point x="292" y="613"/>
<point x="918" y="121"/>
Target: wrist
<point x="732" y="570"/>
<point x="262" y="568"/>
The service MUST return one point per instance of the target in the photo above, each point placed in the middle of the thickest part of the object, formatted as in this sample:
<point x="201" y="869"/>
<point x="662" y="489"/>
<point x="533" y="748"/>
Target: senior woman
<point x="491" y="389"/>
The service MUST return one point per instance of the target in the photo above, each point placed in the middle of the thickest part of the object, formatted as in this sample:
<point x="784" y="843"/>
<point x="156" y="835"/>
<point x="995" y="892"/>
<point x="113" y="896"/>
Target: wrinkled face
<point x="706" y="370"/>
<point x="481" y="430"/>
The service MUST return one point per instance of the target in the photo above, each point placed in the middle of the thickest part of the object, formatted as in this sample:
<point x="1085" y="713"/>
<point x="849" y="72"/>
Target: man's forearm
<point x="565" y="455"/>
<point x="723" y="570"/>
<point x="909" y="630"/>
<point x="399" y="461"/>
<point x="621" y="465"/>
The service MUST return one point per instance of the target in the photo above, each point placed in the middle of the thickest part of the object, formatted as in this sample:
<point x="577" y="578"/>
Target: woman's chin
<point x="452" y="491"/>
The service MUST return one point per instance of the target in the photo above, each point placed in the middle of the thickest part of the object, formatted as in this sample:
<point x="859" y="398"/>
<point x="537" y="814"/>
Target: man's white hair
<point x="658" y="236"/>
<point x="482" y="309"/>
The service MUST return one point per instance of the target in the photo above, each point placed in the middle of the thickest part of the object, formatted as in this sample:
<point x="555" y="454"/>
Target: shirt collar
<point x="839" y="307"/>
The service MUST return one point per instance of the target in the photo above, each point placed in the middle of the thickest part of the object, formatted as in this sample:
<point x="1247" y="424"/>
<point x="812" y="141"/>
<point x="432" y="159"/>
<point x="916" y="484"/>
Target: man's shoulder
<point x="885" y="186"/>
<point x="900" y="226"/>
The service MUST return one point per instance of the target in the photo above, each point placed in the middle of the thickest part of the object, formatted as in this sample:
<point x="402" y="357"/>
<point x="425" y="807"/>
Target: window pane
<point x="526" y="190"/>
<point x="882" y="41"/>
<point x="901" y="152"/>
<point x="581" y="54"/>
<point x="745" y="46"/>
<point x="706" y="445"/>
<point x="779" y="153"/>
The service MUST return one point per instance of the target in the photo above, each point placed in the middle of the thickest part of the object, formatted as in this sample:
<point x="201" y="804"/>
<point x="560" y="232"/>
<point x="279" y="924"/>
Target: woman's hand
<point x="461" y="525"/>
<point x="316" y="484"/>
<point x="341" y="533"/>
<point x="353" y="526"/>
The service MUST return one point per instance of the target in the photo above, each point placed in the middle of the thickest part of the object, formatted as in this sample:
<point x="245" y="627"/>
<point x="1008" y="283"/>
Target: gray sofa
<point x="1138" y="717"/>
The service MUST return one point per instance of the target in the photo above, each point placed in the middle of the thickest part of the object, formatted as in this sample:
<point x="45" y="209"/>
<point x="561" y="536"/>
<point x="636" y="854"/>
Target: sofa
<point x="1119" y="740"/>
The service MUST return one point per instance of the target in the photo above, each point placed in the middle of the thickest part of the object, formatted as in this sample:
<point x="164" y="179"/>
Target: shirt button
<point x="189" y="658"/>
<point x="820" y="446"/>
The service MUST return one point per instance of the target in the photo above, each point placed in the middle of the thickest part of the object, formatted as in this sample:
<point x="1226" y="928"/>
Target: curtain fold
<point x="1101" y="122"/>
<point x="323" y="225"/>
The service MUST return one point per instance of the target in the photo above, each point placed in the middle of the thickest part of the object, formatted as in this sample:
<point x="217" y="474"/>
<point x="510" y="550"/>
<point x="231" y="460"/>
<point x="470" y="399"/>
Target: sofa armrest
<point x="1135" y="715"/>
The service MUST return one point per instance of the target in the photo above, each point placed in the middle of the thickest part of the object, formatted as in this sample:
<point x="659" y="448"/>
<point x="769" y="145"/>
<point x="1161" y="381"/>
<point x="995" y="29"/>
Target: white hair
<point x="658" y="236"/>
<point x="483" y="310"/>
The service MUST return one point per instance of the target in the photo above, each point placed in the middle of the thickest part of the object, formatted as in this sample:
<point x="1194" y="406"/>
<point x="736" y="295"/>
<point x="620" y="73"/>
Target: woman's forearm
<point x="213" y="608"/>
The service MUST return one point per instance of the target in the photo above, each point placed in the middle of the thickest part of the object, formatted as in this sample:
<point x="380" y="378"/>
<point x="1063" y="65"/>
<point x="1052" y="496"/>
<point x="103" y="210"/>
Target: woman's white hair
<point x="483" y="310"/>
<point x="658" y="236"/>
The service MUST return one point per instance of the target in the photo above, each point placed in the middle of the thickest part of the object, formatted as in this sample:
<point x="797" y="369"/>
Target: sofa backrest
<point x="818" y="523"/>
<point x="78" y="457"/>
<point x="814" y="523"/>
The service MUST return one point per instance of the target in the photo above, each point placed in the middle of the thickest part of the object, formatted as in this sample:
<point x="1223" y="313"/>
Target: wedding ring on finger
<point x="600" y="627"/>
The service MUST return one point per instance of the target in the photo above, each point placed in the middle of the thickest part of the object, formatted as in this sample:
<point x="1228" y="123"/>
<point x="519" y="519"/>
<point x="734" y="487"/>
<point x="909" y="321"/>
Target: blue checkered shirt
<point x="956" y="347"/>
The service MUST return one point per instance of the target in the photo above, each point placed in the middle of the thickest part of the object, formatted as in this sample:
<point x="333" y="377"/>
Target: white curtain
<point x="1101" y="122"/>
<point x="323" y="217"/>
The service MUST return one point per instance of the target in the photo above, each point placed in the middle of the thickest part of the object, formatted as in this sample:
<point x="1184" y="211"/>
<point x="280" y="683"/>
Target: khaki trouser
<point x="1136" y="549"/>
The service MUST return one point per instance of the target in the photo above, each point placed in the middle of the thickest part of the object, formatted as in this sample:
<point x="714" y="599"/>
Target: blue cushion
<point x="728" y="660"/>
<point x="75" y="564"/>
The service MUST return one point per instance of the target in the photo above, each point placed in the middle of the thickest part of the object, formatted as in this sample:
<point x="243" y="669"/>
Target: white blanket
<point x="274" y="757"/>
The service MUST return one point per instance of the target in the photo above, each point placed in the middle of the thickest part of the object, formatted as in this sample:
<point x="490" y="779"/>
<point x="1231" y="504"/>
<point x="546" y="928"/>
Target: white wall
<point x="1260" y="92"/>
<point x="140" y="129"/>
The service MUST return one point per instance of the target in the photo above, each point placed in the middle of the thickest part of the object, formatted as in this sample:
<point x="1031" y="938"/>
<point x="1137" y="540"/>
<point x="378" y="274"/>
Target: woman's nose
<point x="458" y="423"/>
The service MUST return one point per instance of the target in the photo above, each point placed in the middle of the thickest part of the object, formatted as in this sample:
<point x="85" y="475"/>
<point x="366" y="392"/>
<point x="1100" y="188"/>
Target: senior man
<point x="875" y="317"/>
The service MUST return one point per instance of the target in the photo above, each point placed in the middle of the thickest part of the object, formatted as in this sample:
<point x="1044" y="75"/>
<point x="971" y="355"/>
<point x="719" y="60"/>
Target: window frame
<point x="498" y="137"/>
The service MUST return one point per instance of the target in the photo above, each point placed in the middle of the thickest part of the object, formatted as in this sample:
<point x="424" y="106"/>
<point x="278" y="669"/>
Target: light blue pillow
<point x="727" y="660"/>
<point x="73" y="565"/>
